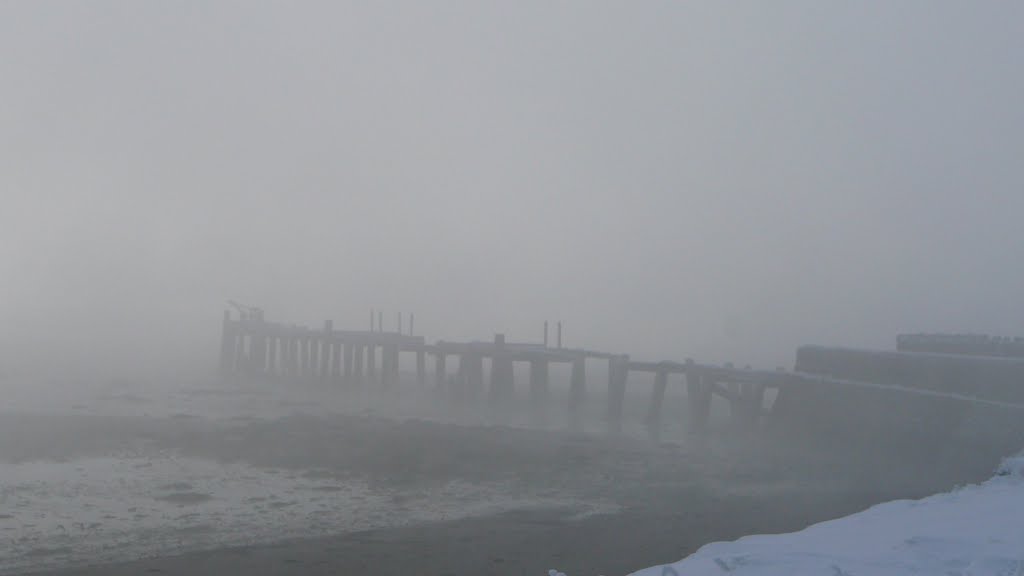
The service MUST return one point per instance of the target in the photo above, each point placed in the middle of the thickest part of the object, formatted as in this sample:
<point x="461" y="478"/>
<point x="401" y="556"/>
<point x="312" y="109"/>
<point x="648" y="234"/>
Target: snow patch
<point x="974" y="530"/>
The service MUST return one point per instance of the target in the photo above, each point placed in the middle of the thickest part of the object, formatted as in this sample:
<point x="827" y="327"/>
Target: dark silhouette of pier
<point x="256" y="348"/>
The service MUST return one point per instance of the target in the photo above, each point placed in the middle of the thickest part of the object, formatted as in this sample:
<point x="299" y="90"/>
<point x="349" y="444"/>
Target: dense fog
<point x="784" y="185"/>
<point x="670" y="180"/>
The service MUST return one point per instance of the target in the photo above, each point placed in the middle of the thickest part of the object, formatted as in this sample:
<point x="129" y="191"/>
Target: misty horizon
<point x="721" y="182"/>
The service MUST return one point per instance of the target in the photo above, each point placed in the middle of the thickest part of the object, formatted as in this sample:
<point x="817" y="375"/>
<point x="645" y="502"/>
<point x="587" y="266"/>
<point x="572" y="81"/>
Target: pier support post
<point x="325" y="351"/>
<point x="395" y="364"/>
<point x="288" y="355"/>
<point x="258" y="350"/>
<point x="457" y="391"/>
<point x="302" y="355"/>
<point x="470" y="378"/>
<point x="746" y="411"/>
<point x="228" y="346"/>
<point x="474" y="380"/>
<point x="539" y="392"/>
<point x="359" y="351"/>
<point x="390" y="372"/>
<point x="618" y="373"/>
<point x="654" y="411"/>
<point x="385" y="365"/>
<point x="698" y="392"/>
<point x="371" y="363"/>
<point x="240" y="355"/>
<point x="577" y="393"/>
<point x="440" y="371"/>
<point x="501" y="378"/>
<point x="311" y="357"/>
<point x="421" y="363"/>
<point x="336" y="363"/>
<point x="273" y="364"/>
<point x="295" y="355"/>
<point x="347" y="370"/>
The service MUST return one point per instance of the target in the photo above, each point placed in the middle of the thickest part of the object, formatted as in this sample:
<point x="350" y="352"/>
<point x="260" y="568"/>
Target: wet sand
<point x="514" y="543"/>
<point x="665" y="500"/>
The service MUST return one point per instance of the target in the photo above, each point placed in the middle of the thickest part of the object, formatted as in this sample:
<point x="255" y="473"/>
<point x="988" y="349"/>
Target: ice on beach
<point x="104" y="509"/>
<point x="97" y="510"/>
<point x="975" y="530"/>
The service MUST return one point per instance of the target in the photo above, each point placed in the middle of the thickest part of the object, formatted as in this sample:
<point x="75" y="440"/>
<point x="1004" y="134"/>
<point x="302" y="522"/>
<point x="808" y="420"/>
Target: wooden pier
<point x="252" y="347"/>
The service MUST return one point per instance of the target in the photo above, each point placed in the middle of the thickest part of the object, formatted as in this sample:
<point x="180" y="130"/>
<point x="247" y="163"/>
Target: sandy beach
<point x="111" y="487"/>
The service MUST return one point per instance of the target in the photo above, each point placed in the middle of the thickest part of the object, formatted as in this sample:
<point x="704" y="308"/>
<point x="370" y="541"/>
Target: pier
<point x="253" y="347"/>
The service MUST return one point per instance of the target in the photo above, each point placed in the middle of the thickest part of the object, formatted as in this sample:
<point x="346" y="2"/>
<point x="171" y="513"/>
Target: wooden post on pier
<point x="258" y="352"/>
<point x="291" y="363"/>
<point x="698" y="397"/>
<point x="577" y="392"/>
<point x="397" y="352"/>
<point x="300" y="355"/>
<point x="272" y="361"/>
<point x="474" y="380"/>
<point x="501" y="378"/>
<point x="239" y="352"/>
<point x="394" y="354"/>
<point x="457" y="389"/>
<point x="440" y="371"/>
<point x="347" y="349"/>
<point x="657" y="397"/>
<point x="748" y="407"/>
<point x="266" y="353"/>
<point x="287" y="358"/>
<point x="325" y="351"/>
<point x="539" y="392"/>
<point x="336" y="362"/>
<point x="250" y="352"/>
<point x="305" y="355"/>
<point x="371" y="363"/>
<point x="315" y="342"/>
<point x="357" y="364"/>
<point x="282" y="358"/>
<point x="470" y="378"/>
<point x="311" y="355"/>
<point x="394" y="374"/>
<point x="388" y="366"/>
<point x="228" y="345"/>
<point x="385" y="366"/>
<point x="421" y="362"/>
<point x="297" y="355"/>
<point x="618" y="373"/>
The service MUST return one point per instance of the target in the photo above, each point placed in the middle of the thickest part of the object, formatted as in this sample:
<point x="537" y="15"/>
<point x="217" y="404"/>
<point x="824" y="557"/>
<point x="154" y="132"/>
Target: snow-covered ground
<point x="976" y="530"/>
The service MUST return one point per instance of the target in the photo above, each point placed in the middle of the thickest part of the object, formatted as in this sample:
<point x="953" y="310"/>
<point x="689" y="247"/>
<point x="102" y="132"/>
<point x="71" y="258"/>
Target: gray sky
<point x="723" y="181"/>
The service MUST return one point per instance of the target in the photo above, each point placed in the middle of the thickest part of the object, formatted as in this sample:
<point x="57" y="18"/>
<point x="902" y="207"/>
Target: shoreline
<point x="666" y="500"/>
<point x="522" y="542"/>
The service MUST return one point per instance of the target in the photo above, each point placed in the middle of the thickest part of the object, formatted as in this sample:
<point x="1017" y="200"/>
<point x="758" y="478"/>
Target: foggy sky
<point x="722" y="181"/>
